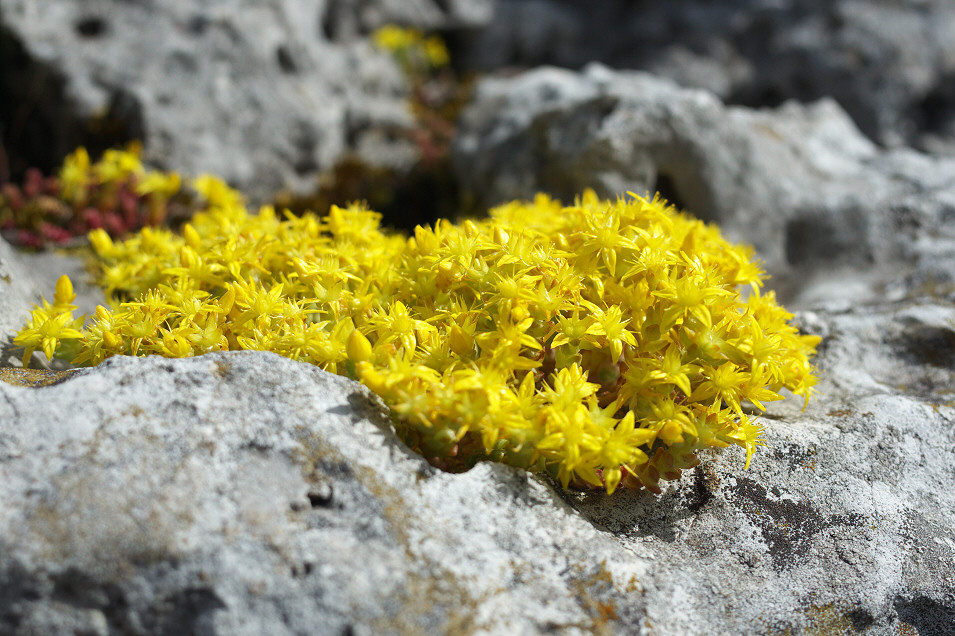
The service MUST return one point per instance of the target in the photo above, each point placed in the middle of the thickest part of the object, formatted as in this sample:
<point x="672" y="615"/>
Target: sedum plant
<point x="418" y="54"/>
<point x="115" y="193"/>
<point x="605" y="342"/>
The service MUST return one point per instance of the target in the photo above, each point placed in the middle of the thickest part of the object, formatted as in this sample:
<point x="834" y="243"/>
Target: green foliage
<point x="604" y="342"/>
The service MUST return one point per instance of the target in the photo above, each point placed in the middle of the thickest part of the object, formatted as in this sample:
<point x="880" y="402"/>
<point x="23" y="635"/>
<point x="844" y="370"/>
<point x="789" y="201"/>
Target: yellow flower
<point x="573" y="329"/>
<point x="394" y="38"/>
<point x="611" y="324"/>
<point x="115" y="166"/>
<point x="159" y="183"/>
<point x="217" y="193"/>
<point x="725" y="382"/>
<point x="436" y="52"/>
<point x="415" y="52"/>
<point x="47" y="327"/>
<point x="396" y="323"/>
<point x="75" y="176"/>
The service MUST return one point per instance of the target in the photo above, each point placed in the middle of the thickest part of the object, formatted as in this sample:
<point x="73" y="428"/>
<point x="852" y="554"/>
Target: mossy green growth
<point x="605" y="342"/>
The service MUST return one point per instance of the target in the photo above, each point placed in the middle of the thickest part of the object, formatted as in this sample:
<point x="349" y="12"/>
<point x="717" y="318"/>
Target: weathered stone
<point x="800" y="183"/>
<point x="254" y="92"/>
<point x="889" y="64"/>
<point x="258" y="483"/>
<point x="352" y="18"/>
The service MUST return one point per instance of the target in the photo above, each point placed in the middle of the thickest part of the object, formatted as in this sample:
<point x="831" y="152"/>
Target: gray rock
<point x="352" y="18"/>
<point x="243" y="493"/>
<point x="254" y="92"/>
<point x="888" y="63"/>
<point x="247" y="494"/>
<point x="800" y="183"/>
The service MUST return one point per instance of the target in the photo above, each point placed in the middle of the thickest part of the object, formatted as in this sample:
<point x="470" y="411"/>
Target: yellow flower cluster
<point x="78" y="177"/>
<point x="603" y="342"/>
<point x="412" y="48"/>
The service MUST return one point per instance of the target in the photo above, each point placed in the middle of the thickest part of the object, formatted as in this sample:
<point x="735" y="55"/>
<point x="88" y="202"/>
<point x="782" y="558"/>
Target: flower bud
<point x="192" y="237"/>
<point x="101" y="241"/>
<point x="188" y="257"/>
<point x="460" y="341"/>
<point x="111" y="340"/>
<point x="227" y="301"/>
<point x="358" y="347"/>
<point x="500" y="236"/>
<point x="64" y="294"/>
<point x="671" y="433"/>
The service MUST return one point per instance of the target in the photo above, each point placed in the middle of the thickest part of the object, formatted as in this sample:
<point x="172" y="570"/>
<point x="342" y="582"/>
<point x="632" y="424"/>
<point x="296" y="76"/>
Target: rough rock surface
<point x="248" y="494"/>
<point x="800" y="183"/>
<point x="350" y="18"/>
<point x="255" y="92"/>
<point x="889" y="63"/>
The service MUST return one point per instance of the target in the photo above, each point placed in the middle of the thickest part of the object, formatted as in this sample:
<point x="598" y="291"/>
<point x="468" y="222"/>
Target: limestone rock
<point x="248" y="494"/>
<point x="889" y="64"/>
<point x="800" y="183"/>
<point x="254" y="92"/>
<point x="350" y="18"/>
